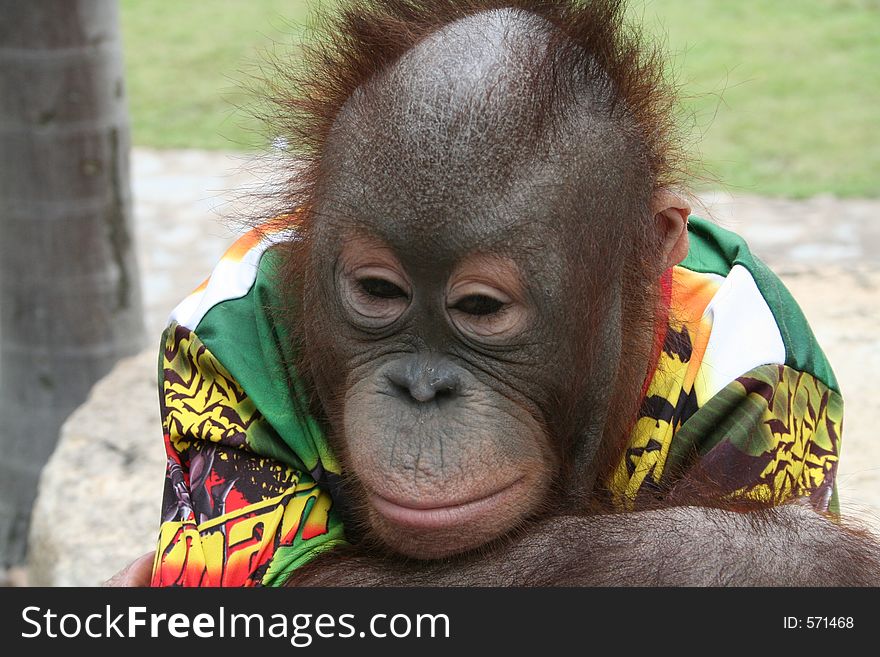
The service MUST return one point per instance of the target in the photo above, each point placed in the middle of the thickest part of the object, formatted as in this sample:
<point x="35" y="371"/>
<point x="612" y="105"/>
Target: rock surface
<point x="100" y="494"/>
<point x="98" y="506"/>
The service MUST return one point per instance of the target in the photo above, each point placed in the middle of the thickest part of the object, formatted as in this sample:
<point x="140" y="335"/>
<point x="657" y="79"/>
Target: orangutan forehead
<point x="473" y="75"/>
<point x="477" y="90"/>
<point x="474" y="129"/>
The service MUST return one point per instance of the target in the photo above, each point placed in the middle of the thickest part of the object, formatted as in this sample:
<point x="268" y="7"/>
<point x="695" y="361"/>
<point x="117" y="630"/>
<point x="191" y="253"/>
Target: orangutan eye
<point x="479" y="305"/>
<point x="484" y="310"/>
<point x="377" y="298"/>
<point x="380" y="288"/>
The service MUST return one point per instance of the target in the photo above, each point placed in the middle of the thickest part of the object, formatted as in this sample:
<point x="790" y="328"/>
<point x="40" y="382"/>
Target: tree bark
<point x="70" y="302"/>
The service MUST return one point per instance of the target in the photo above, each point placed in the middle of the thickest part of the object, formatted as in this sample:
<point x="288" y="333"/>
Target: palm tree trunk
<point x="70" y="302"/>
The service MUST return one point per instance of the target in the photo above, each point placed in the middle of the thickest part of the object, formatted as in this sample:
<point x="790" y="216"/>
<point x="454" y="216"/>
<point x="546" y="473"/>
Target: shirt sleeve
<point x="771" y="434"/>
<point x="233" y="513"/>
<point x="731" y="406"/>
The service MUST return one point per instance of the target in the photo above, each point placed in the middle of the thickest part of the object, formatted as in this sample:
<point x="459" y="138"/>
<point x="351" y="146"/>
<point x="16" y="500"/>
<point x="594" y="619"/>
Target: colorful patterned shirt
<point x="740" y="391"/>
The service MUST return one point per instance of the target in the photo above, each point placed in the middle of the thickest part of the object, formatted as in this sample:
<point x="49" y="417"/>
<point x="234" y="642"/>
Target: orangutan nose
<point x="424" y="378"/>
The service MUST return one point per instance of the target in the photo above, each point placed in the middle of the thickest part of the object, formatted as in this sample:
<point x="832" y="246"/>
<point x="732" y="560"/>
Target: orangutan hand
<point x="137" y="573"/>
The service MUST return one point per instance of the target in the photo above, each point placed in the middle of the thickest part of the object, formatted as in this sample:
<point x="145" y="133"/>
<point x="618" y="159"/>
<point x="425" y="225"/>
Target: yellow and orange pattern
<point x="236" y="548"/>
<point x="770" y="434"/>
<point x="798" y="443"/>
<point x="202" y="401"/>
<point x="675" y="385"/>
<point x="227" y="511"/>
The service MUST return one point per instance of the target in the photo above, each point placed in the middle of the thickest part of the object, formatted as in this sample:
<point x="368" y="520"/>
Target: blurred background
<point x="128" y="156"/>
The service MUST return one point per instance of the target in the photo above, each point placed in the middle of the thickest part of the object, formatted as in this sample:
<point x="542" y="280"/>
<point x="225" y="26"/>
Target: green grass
<point x="783" y="97"/>
<point x="186" y="62"/>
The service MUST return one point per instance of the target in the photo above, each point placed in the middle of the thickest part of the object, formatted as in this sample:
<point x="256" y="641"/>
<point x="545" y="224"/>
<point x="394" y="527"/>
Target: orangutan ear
<point x="670" y="221"/>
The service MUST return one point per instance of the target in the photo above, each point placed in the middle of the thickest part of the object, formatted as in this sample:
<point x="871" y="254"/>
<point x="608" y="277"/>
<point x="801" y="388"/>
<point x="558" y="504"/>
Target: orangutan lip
<point x="439" y="517"/>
